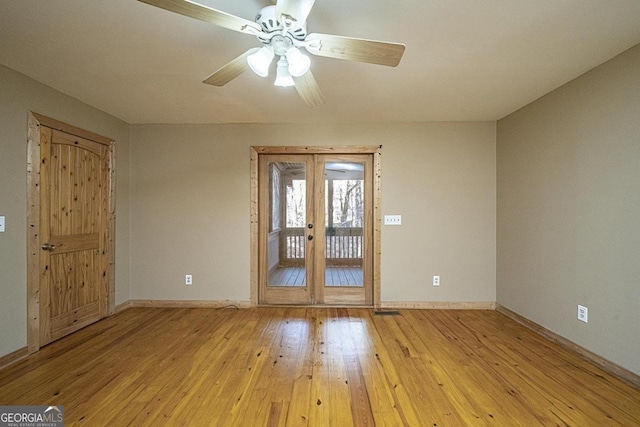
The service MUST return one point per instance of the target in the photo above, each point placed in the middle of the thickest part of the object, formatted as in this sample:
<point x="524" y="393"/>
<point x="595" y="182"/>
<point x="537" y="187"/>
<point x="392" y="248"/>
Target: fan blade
<point x="230" y="71"/>
<point x="297" y="10"/>
<point x="309" y="90"/>
<point x="351" y="49"/>
<point x="207" y="14"/>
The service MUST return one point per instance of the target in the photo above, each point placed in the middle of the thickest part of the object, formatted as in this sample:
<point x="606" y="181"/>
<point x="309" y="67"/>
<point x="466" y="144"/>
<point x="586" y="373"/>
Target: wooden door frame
<point x="256" y="151"/>
<point x="35" y="121"/>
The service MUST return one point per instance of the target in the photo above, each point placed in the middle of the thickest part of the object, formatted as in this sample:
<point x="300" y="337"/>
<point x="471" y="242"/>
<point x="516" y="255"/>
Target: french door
<point x="315" y="229"/>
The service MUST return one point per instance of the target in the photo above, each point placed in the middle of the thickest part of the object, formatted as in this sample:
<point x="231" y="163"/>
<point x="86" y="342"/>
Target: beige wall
<point x="190" y="207"/>
<point x="18" y="96"/>
<point x="569" y="210"/>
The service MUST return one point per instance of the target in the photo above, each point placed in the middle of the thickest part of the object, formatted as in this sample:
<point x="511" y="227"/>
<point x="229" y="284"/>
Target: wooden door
<point x="344" y="219"/>
<point x="74" y="223"/>
<point x="286" y="229"/>
<point x="315" y="229"/>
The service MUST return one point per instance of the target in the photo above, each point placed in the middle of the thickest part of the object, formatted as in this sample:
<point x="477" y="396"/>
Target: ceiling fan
<point x="282" y="29"/>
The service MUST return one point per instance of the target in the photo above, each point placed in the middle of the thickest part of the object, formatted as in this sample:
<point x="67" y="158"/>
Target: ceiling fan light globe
<point x="260" y="61"/>
<point x="283" y="77"/>
<point x="299" y="63"/>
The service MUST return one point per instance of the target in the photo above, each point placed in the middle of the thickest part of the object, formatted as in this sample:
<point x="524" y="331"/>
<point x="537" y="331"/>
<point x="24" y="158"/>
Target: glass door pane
<point x="344" y="220"/>
<point x="286" y="239"/>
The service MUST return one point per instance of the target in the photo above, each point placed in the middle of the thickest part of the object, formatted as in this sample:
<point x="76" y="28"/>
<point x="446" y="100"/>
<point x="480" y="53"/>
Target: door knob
<point x="48" y="247"/>
<point x="310" y="226"/>
<point x="310" y="238"/>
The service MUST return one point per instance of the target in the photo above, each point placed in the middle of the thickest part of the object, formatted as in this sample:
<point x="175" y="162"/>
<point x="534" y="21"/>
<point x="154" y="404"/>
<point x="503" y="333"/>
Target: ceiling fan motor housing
<point x="267" y="20"/>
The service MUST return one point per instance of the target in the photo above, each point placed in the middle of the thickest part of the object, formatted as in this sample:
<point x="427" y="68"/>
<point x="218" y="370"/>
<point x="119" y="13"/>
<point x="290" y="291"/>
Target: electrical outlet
<point x="393" y="220"/>
<point x="188" y="280"/>
<point x="583" y="313"/>
<point x="436" y="280"/>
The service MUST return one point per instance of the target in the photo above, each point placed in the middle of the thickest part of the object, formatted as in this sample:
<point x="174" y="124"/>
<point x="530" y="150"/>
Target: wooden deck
<point x="318" y="367"/>
<point x="334" y="276"/>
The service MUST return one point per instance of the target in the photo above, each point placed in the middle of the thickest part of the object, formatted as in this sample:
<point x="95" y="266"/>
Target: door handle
<point x="48" y="247"/>
<point x="310" y="238"/>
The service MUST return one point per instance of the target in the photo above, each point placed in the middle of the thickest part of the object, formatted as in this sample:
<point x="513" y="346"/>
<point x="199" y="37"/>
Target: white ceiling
<point x="466" y="60"/>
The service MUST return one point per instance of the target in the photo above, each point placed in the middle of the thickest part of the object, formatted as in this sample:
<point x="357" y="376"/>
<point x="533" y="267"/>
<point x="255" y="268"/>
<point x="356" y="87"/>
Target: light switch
<point x="2" y="224"/>
<point x="393" y="220"/>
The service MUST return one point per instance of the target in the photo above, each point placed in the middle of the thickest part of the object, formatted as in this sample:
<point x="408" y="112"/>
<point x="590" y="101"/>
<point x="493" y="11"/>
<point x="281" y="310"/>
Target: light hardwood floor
<point x="317" y="367"/>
